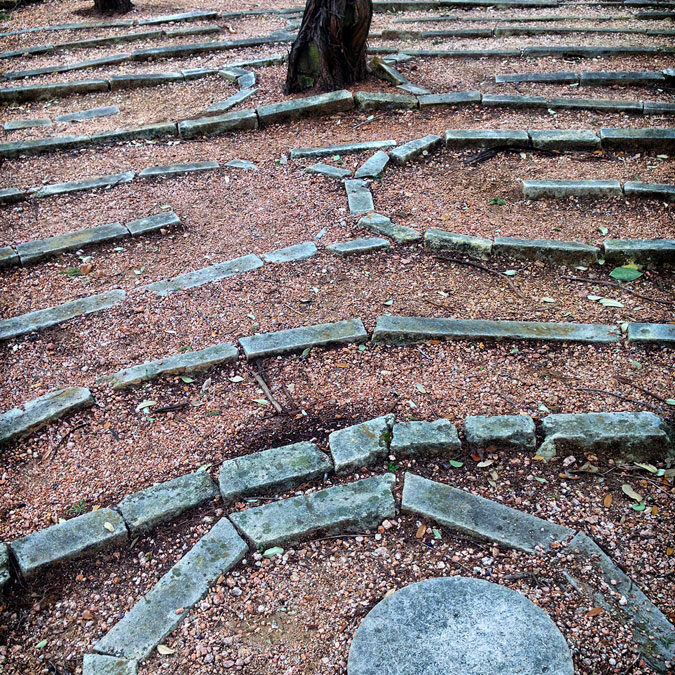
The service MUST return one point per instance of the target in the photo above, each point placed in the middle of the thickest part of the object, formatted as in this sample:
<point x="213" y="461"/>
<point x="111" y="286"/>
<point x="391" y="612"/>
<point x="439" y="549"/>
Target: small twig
<point x="291" y="308"/>
<point x="170" y="408"/>
<point x="426" y="356"/>
<point x="436" y="304"/>
<point x="619" y="396"/>
<point x="620" y="288"/>
<point x="287" y="391"/>
<point x="52" y="452"/>
<point x="470" y="263"/>
<point x="360" y="124"/>
<point x="266" y="390"/>
<point x="630" y="383"/>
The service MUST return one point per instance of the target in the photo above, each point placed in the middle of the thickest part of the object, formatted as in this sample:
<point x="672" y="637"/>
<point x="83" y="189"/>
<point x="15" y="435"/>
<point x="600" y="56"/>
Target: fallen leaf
<point x="165" y="651"/>
<point x="456" y="464"/>
<point x="594" y="612"/>
<point x="420" y="531"/>
<point x="342" y="365"/>
<point x="628" y="490"/>
<point x="144" y="405"/>
<point x="109" y="526"/>
<point x="486" y="462"/>
<point x="607" y="501"/>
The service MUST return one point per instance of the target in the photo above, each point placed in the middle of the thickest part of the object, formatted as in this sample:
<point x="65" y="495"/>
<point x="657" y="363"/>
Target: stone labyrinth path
<point x="374" y="380"/>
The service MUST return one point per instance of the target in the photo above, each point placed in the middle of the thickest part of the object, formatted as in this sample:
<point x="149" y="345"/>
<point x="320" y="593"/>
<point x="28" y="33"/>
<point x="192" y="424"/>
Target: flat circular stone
<point x="458" y="626"/>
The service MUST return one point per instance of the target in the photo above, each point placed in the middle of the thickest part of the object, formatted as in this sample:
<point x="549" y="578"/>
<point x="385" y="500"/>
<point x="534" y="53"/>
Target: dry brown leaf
<point x="342" y="365"/>
<point x="595" y="611"/>
<point x="607" y="501"/>
<point x="420" y="531"/>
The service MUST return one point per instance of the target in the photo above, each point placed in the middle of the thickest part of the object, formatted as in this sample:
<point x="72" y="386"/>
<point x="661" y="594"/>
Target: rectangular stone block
<point x="290" y="253"/>
<point x="503" y="431"/>
<point x="479" y="517"/>
<point x="641" y="251"/>
<point x="409" y="151"/>
<point x="549" y="250"/>
<point x="328" y="170"/>
<point x="16" y="423"/>
<point x="386" y="72"/>
<point x="45" y="318"/>
<point x="652" y="333"/>
<point x="205" y="275"/>
<point x="118" y="82"/>
<point x="451" y="98"/>
<point x="193" y="30"/>
<point x="440" y="240"/>
<point x="640" y="436"/>
<point x="8" y="257"/>
<point x="602" y="78"/>
<point x="180" y="364"/>
<point x="38" y="249"/>
<point x="411" y="439"/>
<point x="657" y="139"/>
<point x="12" y="195"/>
<point x="661" y="191"/>
<point x="366" y="101"/>
<point x="379" y="224"/>
<point x="342" y="149"/>
<point x="413" y="89"/>
<point x="27" y="124"/>
<point x="178" y="169"/>
<point x="4" y="564"/>
<point x="183" y="16"/>
<point x="67" y="540"/>
<point x="99" y="664"/>
<point x="44" y="92"/>
<point x="554" y="78"/>
<point x="152" y="223"/>
<point x="198" y="73"/>
<point x="323" y="104"/>
<point x="401" y="330"/>
<point x="232" y="73"/>
<point x="93" y="113"/>
<point x="658" y="108"/>
<point x="358" y="246"/>
<point x="560" y="189"/>
<point x="182" y="587"/>
<point x="263" y="345"/>
<point x="146" y="131"/>
<point x="361" y="444"/>
<point x="86" y="184"/>
<point x="601" y="104"/>
<point x="38" y="146"/>
<point x="272" y="471"/>
<point x="486" y="138"/>
<point x="507" y="101"/>
<point x="353" y="507"/>
<point x="359" y="196"/>
<point x="218" y="124"/>
<point x="565" y="139"/>
<point x="163" y="501"/>
<point x="373" y="166"/>
<point x="223" y="106"/>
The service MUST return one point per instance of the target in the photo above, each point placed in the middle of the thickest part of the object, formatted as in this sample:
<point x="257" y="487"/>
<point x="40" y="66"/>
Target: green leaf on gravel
<point x="540" y="480"/>
<point x="603" y="230"/>
<point x="362" y="348"/>
<point x="305" y="352"/>
<point x="261" y="401"/>
<point x="144" y="405"/>
<point x="628" y="490"/>
<point x="647" y="467"/>
<point x="186" y="379"/>
<point x="437" y="533"/>
<point x="237" y="378"/>
<point x="546" y="299"/>
<point x="670" y="401"/>
<point x="638" y="507"/>
<point x="608" y="302"/>
<point x="274" y="551"/>
<point x="41" y="644"/>
<point x="456" y="464"/>
<point x="420" y="388"/>
<point x="510" y="273"/>
<point x="625" y="273"/>
<point x="388" y="302"/>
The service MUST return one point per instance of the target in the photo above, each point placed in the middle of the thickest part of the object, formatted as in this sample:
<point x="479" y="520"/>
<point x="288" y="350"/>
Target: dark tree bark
<point x="330" y="50"/>
<point x="113" y="6"/>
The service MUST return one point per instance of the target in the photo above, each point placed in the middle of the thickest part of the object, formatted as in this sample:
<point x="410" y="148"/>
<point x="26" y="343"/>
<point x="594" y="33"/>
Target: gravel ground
<point x="297" y="614"/>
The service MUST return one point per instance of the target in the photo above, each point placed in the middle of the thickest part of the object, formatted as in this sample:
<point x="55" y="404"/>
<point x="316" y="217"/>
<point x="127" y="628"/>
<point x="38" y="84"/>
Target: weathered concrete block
<point x="602" y="78"/>
<point x="358" y="246"/>
<point x="511" y="431"/>
<point x="413" y="89"/>
<point x="562" y="252"/>
<point x="246" y="81"/>
<point x="232" y="73"/>
<point x="44" y="92"/>
<point x="147" y="131"/>
<point x="386" y="71"/>
<point x="180" y="364"/>
<point x="38" y="412"/>
<point x="361" y="444"/>
<point x="560" y="189"/>
<point x="373" y="166"/>
<point x="178" y="169"/>
<point x="152" y="223"/>
<point x="408" y="151"/>
<point x="657" y="139"/>
<point x="218" y="124"/>
<point x="12" y="195"/>
<point x="98" y="664"/>
<point x="223" y="106"/>
<point x="341" y="149"/>
<point x="401" y="330"/>
<point x="565" y="139"/>
<point x="658" y="108"/>
<point x="9" y="257"/>
<point x="272" y="471"/>
<point x="92" y="113"/>
<point x="366" y="101"/>
<point x="638" y="436"/>
<point x="38" y="146"/>
<point x="67" y="540"/>
<point x="486" y="138"/>
<point x="27" y="124"/>
<point x="602" y="104"/>
<point x="44" y="318"/>
<point x="416" y="438"/>
<point x="382" y="225"/>
<point x="86" y="184"/>
<point x="642" y="251"/>
<point x="652" y="333"/>
<point x="242" y="164"/>
<point x="507" y="101"/>
<point x="451" y="98"/>
<point x="263" y="345"/>
<point x="440" y="240"/>
<point x="359" y="196"/>
<point x="662" y="191"/>
<point x="183" y="586"/>
<point x="328" y="170"/>
<point x="38" y="249"/>
<point x="118" y="82"/>
<point x="296" y="252"/>
<point x="205" y="275"/>
<point x="353" y="507"/>
<point x="479" y="517"/>
<point x="323" y="104"/>
<point x="163" y="501"/>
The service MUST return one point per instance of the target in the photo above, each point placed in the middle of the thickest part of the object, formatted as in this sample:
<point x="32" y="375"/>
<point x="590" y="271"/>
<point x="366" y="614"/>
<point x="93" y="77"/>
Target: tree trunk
<point x="113" y="6"/>
<point x="330" y="50"/>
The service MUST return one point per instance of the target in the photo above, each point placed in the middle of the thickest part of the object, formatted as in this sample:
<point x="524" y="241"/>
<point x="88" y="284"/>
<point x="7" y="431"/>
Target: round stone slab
<point x="458" y="626"/>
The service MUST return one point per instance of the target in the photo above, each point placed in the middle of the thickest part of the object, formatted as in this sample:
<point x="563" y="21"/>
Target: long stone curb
<point x="562" y="189"/>
<point x="588" y="78"/>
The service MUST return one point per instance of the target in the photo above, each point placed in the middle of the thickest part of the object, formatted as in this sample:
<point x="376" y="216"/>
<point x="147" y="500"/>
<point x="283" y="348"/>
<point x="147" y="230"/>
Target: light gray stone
<point x="180" y="364"/>
<point x="652" y="333"/>
<point x="601" y="104"/>
<point x="45" y="318"/>
<point x="353" y="507"/>
<point x="620" y="596"/>
<point x="92" y="113"/>
<point x="458" y="625"/>
<point x="386" y="71"/>
<point x="658" y="108"/>
<point x="657" y="139"/>
<point x="367" y="101"/>
<point x="86" y="184"/>
<point x="9" y="257"/>
<point x="400" y="330"/>
<point x="510" y="431"/>
<point x="450" y="98"/>
<point x="246" y="81"/>
<point x="218" y="124"/>
<point x="177" y="169"/>
<point x="152" y="223"/>
<point x="118" y="82"/>
<point x="183" y="586"/>
<point x="11" y="195"/>
<point x="38" y="146"/>
<point x="413" y="89"/>
<point x="323" y="104"/>
<point x="565" y="139"/>
<point x="68" y="540"/>
<point x="202" y="15"/>
<point x="359" y="196"/>
<point x="163" y="501"/>
<point x="243" y="164"/>
<point x="508" y="101"/>
<point x="642" y="251"/>
<point x="198" y="73"/>
<point x="358" y="246"/>
<point x="272" y="471"/>
<point x="38" y="412"/>
<point x="415" y="438"/>
<point x="235" y="99"/>
<point x="328" y="170"/>
<point x="560" y="189"/>
<point x="440" y="240"/>
<point x="361" y="444"/>
<point x="602" y="78"/>
<point x="342" y="149"/>
<point x="44" y="92"/>
<point x="147" y="131"/>
<point x="98" y="664"/>
<point x="232" y="73"/>
<point x="379" y="224"/>
<point x="4" y="564"/>
<point x="38" y="249"/>
<point x="486" y="138"/>
<point x="205" y="275"/>
<point x="479" y="517"/>
<point x="296" y="252"/>
<point x="27" y="124"/>
<point x="662" y="191"/>
<point x="562" y="252"/>
<point x="408" y="151"/>
<point x="641" y="436"/>
<point x="263" y="345"/>
<point x="373" y="166"/>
